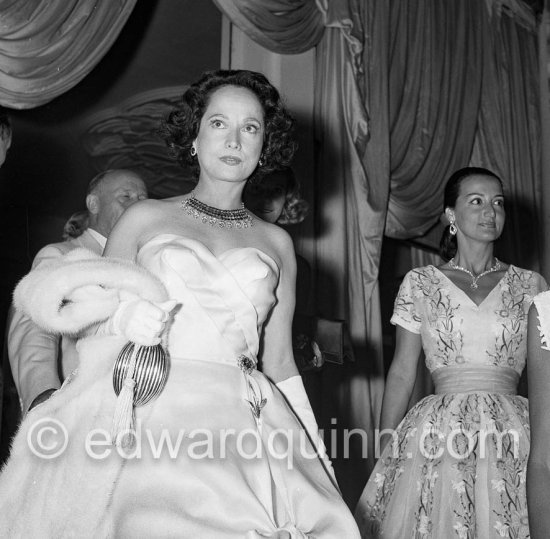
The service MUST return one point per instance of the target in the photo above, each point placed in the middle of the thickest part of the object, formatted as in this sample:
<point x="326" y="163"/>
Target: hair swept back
<point x="448" y="244"/>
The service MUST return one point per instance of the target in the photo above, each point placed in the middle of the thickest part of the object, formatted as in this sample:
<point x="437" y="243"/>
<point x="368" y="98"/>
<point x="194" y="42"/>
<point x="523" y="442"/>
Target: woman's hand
<point x="142" y="321"/>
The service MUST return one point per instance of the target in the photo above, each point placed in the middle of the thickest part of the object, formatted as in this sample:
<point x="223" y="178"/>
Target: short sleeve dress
<point x="457" y="464"/>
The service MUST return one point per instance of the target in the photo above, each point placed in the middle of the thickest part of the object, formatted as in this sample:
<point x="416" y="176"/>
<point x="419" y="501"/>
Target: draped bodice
<point x="223" y="300"/>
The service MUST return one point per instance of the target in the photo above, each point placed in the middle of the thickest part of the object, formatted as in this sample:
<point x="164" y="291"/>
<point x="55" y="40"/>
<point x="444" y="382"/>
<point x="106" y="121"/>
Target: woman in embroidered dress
<point x="538" y="375"/>
<point x="221" y="452"/>
<point x="456" y="464"/>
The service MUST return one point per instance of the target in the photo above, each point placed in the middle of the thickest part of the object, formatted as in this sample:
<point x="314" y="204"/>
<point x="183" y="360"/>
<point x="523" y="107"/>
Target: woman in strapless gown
<point x="225" y="450"/>
<point x="457" y="462"/>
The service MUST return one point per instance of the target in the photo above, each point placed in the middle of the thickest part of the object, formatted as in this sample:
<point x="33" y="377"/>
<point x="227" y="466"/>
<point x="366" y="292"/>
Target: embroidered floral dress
<point x="457" y="464"/>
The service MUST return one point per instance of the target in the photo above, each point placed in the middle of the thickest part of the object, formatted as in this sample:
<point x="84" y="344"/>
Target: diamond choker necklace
<point x="475" y="278"/>
<point x="239" y="218"/>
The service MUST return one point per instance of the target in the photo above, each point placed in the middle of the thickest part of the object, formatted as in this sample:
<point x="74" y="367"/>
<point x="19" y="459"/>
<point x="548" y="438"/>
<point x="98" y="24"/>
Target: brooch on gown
<point x="255" y="398"/>
<point x="246" y="364"/>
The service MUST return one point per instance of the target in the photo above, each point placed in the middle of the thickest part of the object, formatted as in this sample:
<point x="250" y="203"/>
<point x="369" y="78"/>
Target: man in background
<point x="39" y="360"/>
<point x="5" y="134"/>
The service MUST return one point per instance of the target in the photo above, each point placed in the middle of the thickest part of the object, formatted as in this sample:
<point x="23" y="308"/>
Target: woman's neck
<point x="222" y="195"/>
<point x="475" y="260"/>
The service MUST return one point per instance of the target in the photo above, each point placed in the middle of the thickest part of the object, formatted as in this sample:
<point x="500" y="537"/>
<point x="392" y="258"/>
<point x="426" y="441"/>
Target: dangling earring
<point x="452" y="229"/>
<point x="193" y="151"/>
<point x="261" y="161"/>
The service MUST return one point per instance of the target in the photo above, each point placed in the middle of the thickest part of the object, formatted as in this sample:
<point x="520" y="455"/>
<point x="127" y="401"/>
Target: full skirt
<point x="456" y="468"/>
<point x="204" y="462"/>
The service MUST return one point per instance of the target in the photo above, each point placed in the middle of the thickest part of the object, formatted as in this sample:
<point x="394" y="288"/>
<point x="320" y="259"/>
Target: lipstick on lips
<point x="231" y="160"/>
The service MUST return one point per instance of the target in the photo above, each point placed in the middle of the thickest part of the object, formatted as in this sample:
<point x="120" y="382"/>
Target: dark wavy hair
<point x="448" y="245"/>
<point x="76" y="225"/>
<point x="295" y="208"/>
<point x="181" y="127"/>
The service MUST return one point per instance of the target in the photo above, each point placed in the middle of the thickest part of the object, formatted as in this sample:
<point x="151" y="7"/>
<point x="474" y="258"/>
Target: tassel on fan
<point x="139" y="376"/>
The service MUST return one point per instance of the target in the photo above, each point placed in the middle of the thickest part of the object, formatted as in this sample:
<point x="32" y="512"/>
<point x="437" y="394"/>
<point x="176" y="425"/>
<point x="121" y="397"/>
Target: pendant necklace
<point x="475" y="278"/>
<point x="239" y="218"/>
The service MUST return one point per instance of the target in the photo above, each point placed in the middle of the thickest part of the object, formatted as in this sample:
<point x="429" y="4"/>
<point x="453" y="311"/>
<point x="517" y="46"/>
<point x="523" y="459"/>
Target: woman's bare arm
<point x="277" y="358"/>
<point x="538" y="468"/>
<point x="400" y="381"/>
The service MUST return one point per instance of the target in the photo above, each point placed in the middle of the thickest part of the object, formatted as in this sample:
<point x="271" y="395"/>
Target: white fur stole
<point x="81" y="288"/>
<point x="70" y="495"/>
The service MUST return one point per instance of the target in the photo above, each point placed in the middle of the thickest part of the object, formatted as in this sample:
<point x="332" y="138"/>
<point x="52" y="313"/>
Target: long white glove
<point x="139" y="320"/>
<point x="294" y="391"/>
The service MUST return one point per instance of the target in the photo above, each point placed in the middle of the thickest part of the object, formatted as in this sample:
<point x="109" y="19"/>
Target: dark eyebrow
<point x="221" y="115"/>
<point x="480" y="195"/>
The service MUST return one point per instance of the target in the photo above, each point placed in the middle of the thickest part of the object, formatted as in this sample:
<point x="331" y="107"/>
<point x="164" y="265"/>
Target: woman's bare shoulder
<point x="148" y="208"/>
<point x="275" y="236"/>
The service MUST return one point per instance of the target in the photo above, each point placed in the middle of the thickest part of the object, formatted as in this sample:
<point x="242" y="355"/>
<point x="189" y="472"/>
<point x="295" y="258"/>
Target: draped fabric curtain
<point x="544" y="84"/>
<point x="352" y="192"/>
<point x="508" y="138"/>
<point x="282" y="26"/>
<point x="435" y="92"/>
<point x="46" y="48"/>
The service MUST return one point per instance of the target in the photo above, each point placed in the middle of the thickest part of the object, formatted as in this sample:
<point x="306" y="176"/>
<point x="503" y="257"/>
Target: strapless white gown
<point x="228" y="473"/>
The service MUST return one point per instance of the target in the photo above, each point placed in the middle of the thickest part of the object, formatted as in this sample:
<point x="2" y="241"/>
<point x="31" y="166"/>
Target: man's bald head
<point x="109" y="194"/>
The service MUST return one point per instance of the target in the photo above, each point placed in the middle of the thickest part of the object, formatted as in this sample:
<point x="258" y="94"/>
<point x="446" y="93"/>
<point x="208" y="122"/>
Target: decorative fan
<point x="139" y="376"/>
